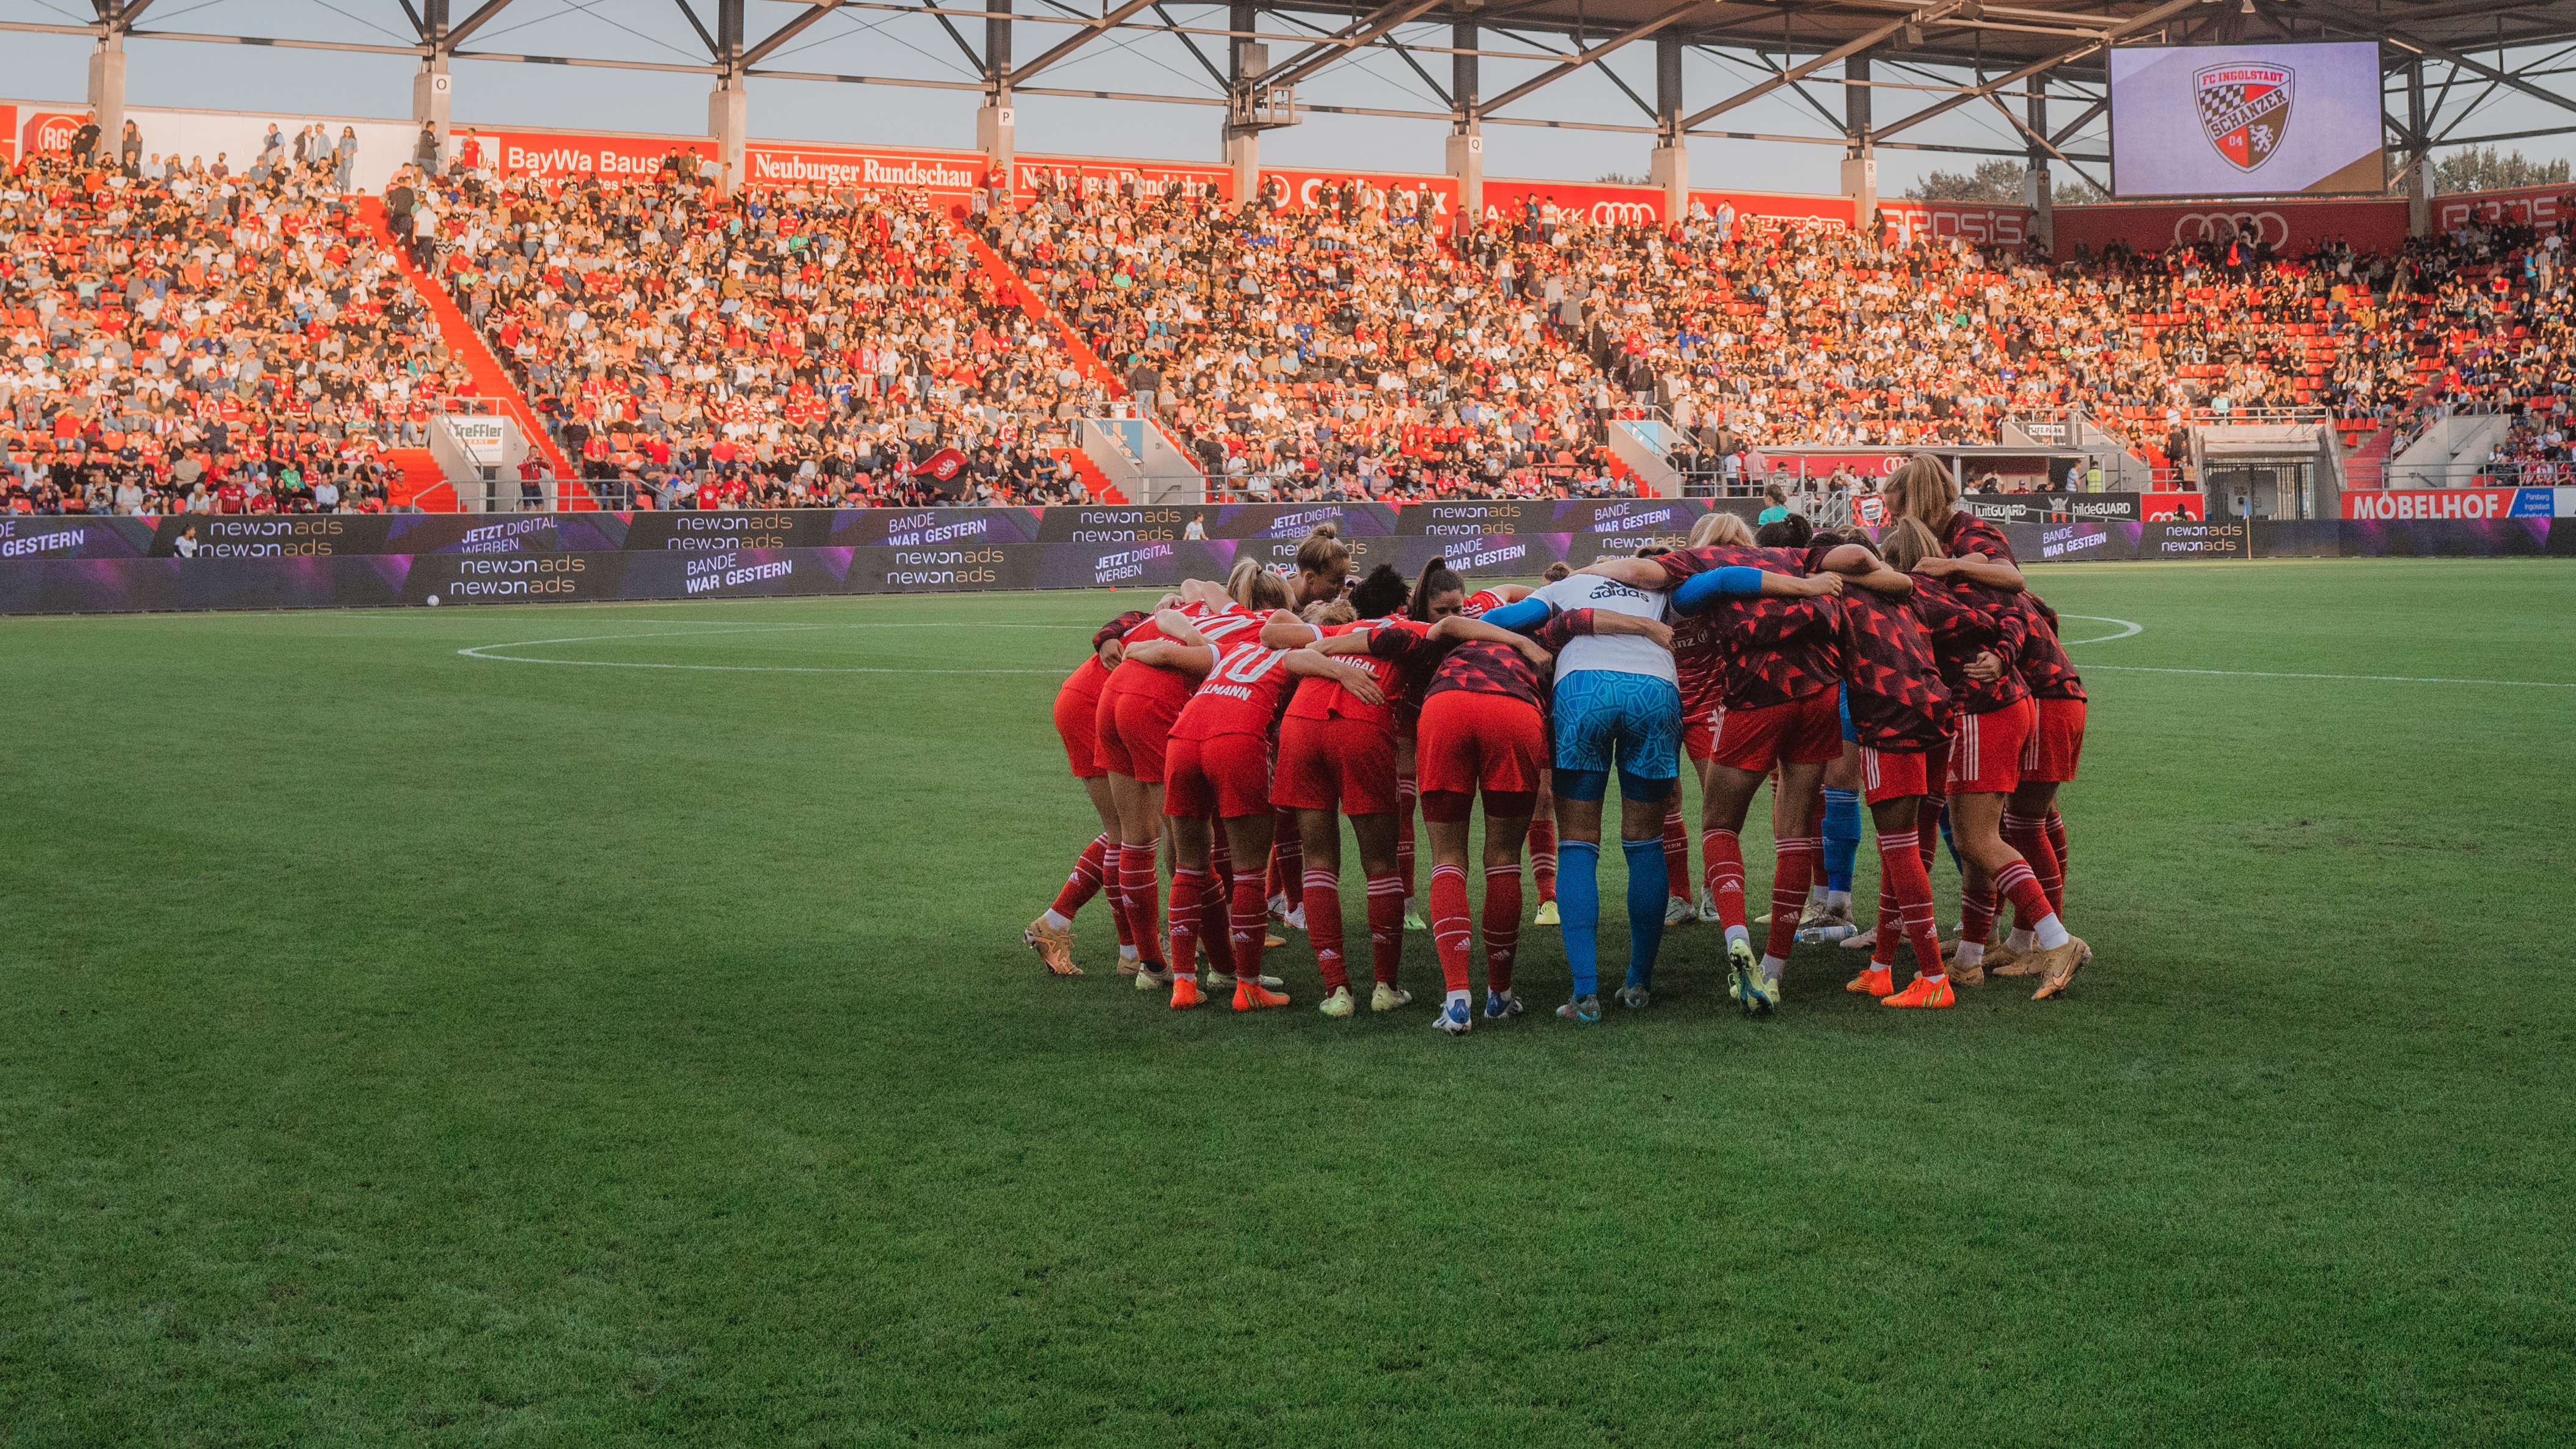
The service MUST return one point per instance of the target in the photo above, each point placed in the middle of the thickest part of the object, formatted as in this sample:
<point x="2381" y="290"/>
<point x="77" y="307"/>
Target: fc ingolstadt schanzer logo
<point x="2243" y="110"/>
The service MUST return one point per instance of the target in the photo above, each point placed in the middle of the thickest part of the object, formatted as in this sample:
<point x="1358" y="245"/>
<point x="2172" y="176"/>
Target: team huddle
<point x="1238" y="724"/>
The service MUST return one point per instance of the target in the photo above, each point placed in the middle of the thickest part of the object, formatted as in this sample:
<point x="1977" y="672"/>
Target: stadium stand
<point x="185" y="339"/>
<point x="1339" y="350"/>
<point x="774" y="349"/>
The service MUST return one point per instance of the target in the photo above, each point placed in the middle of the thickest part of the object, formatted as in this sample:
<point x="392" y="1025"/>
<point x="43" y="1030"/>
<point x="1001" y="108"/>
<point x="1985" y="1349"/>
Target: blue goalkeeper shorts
<point x="1630" y="722"/>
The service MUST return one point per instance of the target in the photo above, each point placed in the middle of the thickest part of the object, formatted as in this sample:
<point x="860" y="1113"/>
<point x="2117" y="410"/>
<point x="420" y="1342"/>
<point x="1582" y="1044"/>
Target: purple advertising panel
<point x="721" y="531"/>
<point x="134" y="585"/>
<point x="933" y="527"/>
<point x="1152" y="565"/>
<point x="940" y="570"/>
<point x="750" y="573"/>
<point x="486" y="533"/>
<point x="514" y="578"/>
<point x="2451" y="537"/>
<point x="73" y="535"/>
<point x="2078" y="542"/>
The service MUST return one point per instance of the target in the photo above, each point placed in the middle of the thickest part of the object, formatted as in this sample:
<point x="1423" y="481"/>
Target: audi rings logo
<point x="1625" y="213"/>
<point x="2201" y="226"/>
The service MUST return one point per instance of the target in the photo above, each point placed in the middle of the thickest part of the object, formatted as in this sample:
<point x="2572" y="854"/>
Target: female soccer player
<point x="1480" y="728"/>
<point x="1899" y="710"/>
<point x="1077" y="706"/>
<point x="1780" y="712"/>
<point x="1217" y="766"/>
<point x="1994" y="721"/>
<point x="1323" y="564"/>
<point x="1337" y="754"/>
<point x="1137" y="711"/>
<point x="2031" y="822"/>
<point x="1617" y="705"/>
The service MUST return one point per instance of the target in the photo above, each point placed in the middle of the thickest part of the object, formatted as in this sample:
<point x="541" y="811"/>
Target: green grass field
<point x="404" y="1046"/>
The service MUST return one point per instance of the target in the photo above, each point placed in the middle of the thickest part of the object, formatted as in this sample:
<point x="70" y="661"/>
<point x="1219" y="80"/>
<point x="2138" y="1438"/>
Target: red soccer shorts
<point x="1471" y="740"/>
<point x="1985" y="755"/>
<point x="1700" y="731"/>
<point x="1889" y="775"/>
<point x="1806" y="731"/>
<point x="1077" y="722"/>
<point x="1226" y="778"/>
<point x="1335" y="764"/>
<point x="1133" y="730"/>
<point x="2057" y="743"/>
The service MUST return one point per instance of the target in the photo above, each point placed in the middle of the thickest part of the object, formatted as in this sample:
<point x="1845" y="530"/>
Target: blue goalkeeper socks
<point x="1578" y="907"/>
<point x="1842" y="837"/>
<point x="1645" y="906"/>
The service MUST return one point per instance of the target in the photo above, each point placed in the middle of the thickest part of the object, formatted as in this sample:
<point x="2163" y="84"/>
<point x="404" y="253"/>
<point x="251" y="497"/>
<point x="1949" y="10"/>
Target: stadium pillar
<point x="2419" y="204"/>
<point x="1669" y="167"/>
<point x="995" y="120"/>
<point x="1466" y="152"/>
<point x="1245" y="60"/>
<point x="107" y="91"/>
<point x="432" y="88"/>
<point x="2036" y="184"/>
<point x="729" y="104"/>
<point x="1860" y="162"/>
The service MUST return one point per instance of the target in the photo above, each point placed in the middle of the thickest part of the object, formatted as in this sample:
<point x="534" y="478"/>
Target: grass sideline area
<point x="407" y="1046"/>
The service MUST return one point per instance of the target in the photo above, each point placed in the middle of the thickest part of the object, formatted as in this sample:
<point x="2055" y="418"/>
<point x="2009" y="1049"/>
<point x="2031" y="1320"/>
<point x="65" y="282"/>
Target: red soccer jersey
<point x="1898" y="702"/>
<point x="1966" y="533"/>
<point x="1480" y="666"/>
<point x="1962" y="622"/>
<point x="2043" y="665"/>
<point x="1171" y="684"/>
<point x="1699" y="657"/>
<point x="1394" y="646"/>
<point x="1775" y="649"/>
<point x="1481" y="602"/>
<point x="1243" y="695"/>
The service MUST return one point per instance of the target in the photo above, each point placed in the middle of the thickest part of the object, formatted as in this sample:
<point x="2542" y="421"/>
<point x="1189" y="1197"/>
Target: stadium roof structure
<point x="2443" y="59"/>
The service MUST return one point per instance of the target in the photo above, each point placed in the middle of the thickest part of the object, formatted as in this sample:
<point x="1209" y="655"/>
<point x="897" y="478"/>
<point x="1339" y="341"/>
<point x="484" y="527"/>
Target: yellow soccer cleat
<point x="1339" y="1003"/>
<point x="1388" y="997"/>
<point x="1547" y="913"/>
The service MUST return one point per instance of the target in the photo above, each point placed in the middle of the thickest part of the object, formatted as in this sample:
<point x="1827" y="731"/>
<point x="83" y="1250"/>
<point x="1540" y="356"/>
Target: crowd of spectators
<point x="182" y="337"/>
<point x="779" y="347"/>
<point x="1343" y="348"/>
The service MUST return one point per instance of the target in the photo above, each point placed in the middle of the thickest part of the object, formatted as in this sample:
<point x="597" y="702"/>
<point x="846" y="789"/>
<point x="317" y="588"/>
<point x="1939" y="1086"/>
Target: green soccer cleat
<point x="1547" y="913"/>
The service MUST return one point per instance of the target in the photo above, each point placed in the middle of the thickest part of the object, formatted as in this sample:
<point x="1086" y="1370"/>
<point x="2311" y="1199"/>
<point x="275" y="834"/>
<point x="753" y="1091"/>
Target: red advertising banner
<point x="48" y="131"/>
<point x="564" y="155"/>
<point x="1912" y="221"/>
<point x="2408" y="503"/>
<point x="1609" y="205"/>
<point x="2290" y="226"/>
<point x="838" y="168"/>
<point x="2529" y="206"/>
<point x="2166" y="505"/>
<point x="1294" y="190"/>
<point x="1770" y="210"/>
<point x="1091" y="175"/>
<point x="9" y="131"/>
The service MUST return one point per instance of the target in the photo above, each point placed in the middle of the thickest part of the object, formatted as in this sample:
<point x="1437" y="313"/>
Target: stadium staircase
<point x="491" y="380"/>
<point x="417" y="481"/>
<point x="1638" y="448"/>
<point x="1085" y="361"/>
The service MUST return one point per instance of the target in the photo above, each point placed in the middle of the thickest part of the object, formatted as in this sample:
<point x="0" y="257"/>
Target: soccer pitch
<point x="405" y="1045"/>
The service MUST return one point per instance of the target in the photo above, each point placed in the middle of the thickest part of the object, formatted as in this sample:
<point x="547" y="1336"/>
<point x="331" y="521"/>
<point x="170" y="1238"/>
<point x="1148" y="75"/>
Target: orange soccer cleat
<point x="1054" y="947"/>
<point x="1876" y="980"/>
<point x="1185" y="992"/>
<point x="1253" y="996"/>
<point x="1923" y="991"/>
